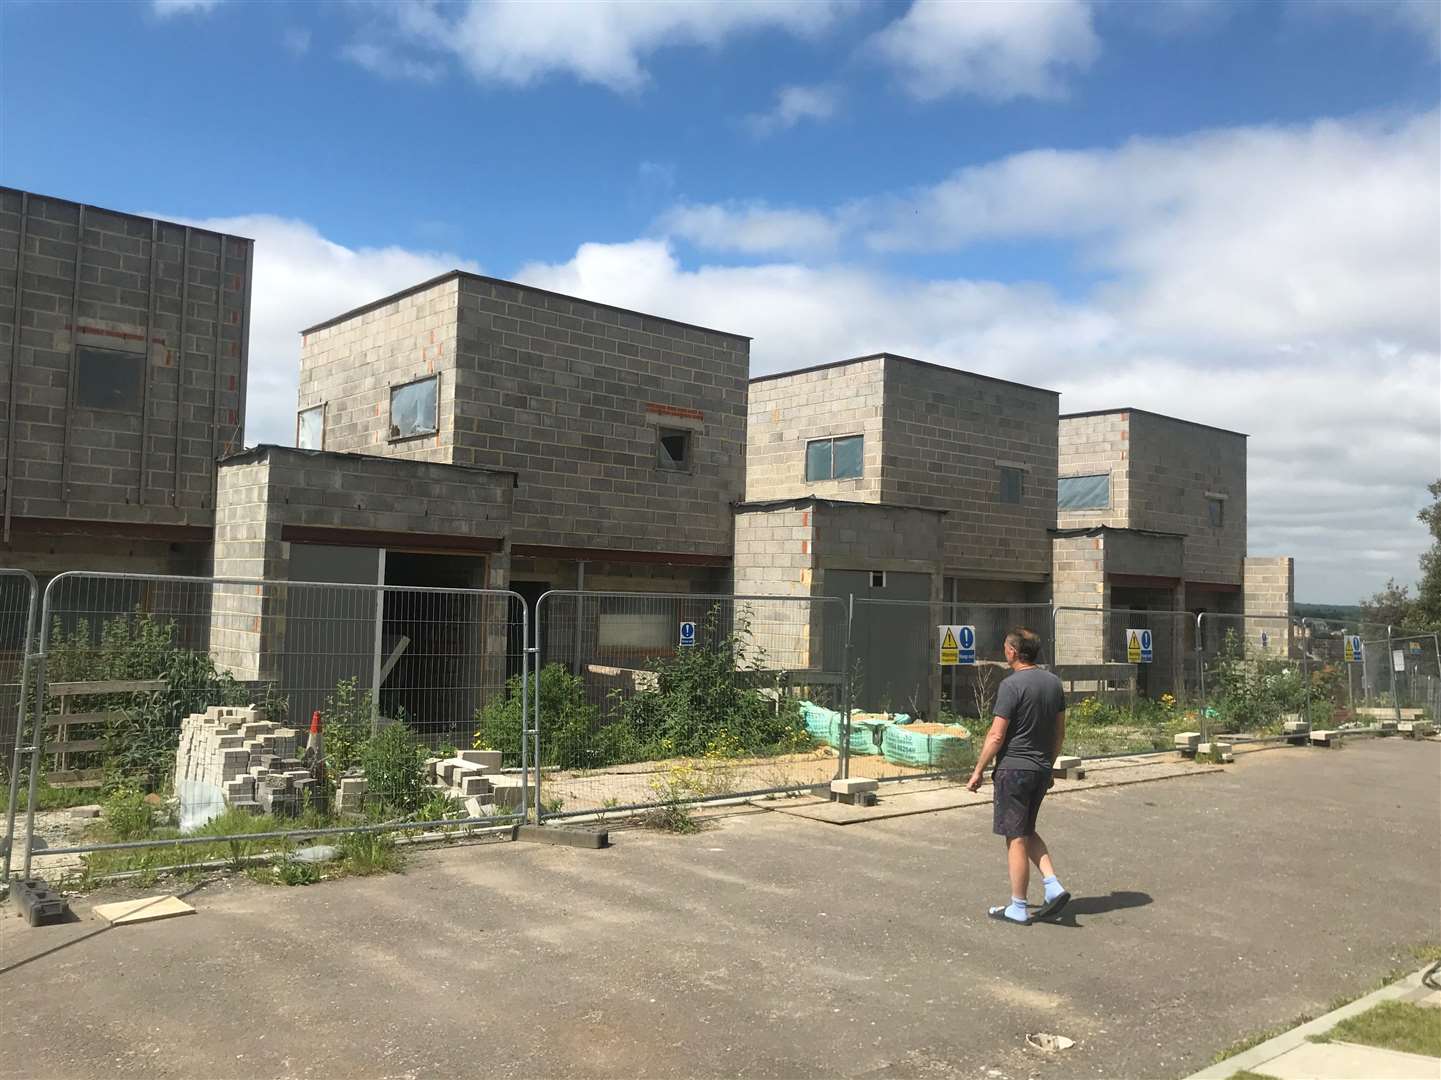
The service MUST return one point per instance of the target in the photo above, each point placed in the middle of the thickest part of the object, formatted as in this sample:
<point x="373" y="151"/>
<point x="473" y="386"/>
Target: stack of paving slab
<point x="254" y="763"/>
<point x="475" y="778"/>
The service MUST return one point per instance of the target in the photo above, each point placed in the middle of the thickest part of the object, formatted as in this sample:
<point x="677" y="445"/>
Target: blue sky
<point x="1218" y="210"/>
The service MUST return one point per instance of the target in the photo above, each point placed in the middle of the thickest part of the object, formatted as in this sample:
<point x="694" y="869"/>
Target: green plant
<point x="394" y="763"/>
<point x="438" y="806"/>
<point x="346" y="720"/>
<point x="568" y="722"/>
<point x="370" y="853"/>
<point x="712" y="692"/>
<point x="126" y="814"/>
<point x="293" y="872"/>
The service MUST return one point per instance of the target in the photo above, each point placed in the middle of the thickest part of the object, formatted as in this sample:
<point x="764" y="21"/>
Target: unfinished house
<point x="888" y="478"/>
<point x="1151" y="517"/>
<point x="124" y="370"/>
<point x="625" y="431"/>
<point x="349" y="522"/>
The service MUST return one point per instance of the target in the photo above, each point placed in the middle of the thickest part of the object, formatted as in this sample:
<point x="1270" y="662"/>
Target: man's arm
<point x="995" y="738"/>
<point x="1060" y="734"/>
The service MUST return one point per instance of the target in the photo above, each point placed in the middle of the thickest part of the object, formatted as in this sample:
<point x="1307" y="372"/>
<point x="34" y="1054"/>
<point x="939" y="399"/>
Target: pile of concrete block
<point x="1222" y="752"/>
<point x="1415" y="729"/>
<point x="1067" y="767"/>
<point x="475" y="778"/>
<point x="254" y="763"/>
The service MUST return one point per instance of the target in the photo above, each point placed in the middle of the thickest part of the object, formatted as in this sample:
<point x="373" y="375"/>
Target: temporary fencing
<point x="654" y="699"/>
<point x="1401" y="678"/>
<point x="211" y="687"/>
<point x="19" y="604"/>
<point x="925" y="676"/>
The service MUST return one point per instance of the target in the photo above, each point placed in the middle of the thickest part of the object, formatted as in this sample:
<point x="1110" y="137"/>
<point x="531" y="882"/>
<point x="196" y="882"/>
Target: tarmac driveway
<point x="768" y="946"/>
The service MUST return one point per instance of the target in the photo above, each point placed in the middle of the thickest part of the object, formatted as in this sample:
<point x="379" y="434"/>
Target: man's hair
<point x="1027" y="644"/>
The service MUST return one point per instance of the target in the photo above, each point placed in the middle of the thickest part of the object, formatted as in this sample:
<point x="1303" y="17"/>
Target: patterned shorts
<point x="1018" y="800"/>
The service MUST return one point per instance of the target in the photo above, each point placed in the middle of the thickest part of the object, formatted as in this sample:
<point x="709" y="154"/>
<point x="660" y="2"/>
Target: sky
<point x="1224" y="211"/>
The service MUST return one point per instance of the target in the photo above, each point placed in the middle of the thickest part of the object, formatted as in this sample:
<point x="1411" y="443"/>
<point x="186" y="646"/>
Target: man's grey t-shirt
<point x="1030" y="699"/>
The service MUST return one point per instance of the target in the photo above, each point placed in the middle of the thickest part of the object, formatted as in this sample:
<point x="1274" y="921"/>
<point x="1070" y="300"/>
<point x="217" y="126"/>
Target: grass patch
<point x="1392" y="1025"/>
<point x="1247" y="1074"/>
<point x="1425" y="953"/>
<point x="46" y="797"/>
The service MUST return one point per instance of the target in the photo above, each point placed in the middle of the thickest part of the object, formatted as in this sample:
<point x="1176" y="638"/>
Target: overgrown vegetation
<point x="139" y="740"/>
<point x="394" y="764"/>
<point x="716" y="697"/>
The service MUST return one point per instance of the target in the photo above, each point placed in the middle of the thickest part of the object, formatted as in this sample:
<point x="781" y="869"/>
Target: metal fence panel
<point x="1403" y="677"/>
<point x="646" y="699"/>
<point x="135" y="674"/>
<point x="19" y="601"/>
<point x="921" y="709"/>
<point x="1258" y="671"/>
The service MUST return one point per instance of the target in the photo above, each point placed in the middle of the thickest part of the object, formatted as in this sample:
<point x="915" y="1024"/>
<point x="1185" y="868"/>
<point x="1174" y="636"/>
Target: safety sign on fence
<point x="687" y="634"/>
<point x="1398" y="660"/>
<point x="958" y="645"/>
<point x="1353" y="648"/>
<point x="1138" y="646"/>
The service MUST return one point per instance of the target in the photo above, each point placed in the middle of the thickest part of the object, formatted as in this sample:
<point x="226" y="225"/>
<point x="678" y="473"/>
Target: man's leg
<point x="1040" y="855"/>
<point x="1020" y="868"/>
<point x="1056" y="895"/>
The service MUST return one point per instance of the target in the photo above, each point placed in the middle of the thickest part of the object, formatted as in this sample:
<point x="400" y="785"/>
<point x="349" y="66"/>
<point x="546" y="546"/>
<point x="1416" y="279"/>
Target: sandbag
<point x="926" y="746"/>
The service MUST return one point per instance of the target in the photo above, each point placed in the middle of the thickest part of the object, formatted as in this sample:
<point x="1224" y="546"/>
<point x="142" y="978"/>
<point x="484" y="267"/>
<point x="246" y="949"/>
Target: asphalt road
<point x="1207" y="908"/>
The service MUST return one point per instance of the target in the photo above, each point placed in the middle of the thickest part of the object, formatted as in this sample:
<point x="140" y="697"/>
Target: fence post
<point x="846" y="703"/>
<point x="533" y="733"/>
<point x="1350" y="689"/>
<point x="21" y="710"/>
<point x="1391" y="671"/>
<point x="36" y="744"/>
<point x="525" y="707"/>
<point x="1201" y="670"/>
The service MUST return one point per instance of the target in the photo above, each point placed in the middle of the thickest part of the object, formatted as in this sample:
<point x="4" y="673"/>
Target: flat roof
<point x="1159" y="416"/>
<point x="123" y="213"/>
<point x="450" y="275"/>
<point x="252" y="453"/>
<point x="905" y="359"/>
<point x="817" y="500"/>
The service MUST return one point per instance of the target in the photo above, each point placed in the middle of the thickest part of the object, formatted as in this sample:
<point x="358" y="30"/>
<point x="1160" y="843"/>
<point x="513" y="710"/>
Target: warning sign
<point x="1138" y="646"/>
<point x="950" y="645"/>
<point x="966" y="636"/>
<point x="1353" y="648"/>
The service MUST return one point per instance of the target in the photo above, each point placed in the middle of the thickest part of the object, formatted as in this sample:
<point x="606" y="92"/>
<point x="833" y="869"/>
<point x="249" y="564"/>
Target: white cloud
<point x="388" y="64"/>
<point x="997" y="51"/>
<point x="752" y="228"/>
<point x="794" y="104"/>
<point x="299" y="279"/>
<point x="1275" y="235"/>
<point x="166" y="8"/>
<point x="517" y="43"/>
<point x="1339" y="394"/>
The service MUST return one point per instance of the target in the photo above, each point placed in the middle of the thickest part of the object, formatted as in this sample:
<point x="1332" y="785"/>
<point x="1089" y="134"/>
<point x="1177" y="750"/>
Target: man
<point x="1024" y="740"/>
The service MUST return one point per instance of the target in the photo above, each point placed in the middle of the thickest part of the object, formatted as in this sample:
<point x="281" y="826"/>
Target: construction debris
<point x="147" y="909"/>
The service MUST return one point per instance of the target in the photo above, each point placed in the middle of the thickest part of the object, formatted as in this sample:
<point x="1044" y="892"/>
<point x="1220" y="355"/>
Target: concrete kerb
<point x="1251" y="1060"/>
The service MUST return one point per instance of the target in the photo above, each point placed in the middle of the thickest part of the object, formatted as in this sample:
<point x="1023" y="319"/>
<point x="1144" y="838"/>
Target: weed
<point x="370" y="853"/>
<point x="439" y="806"/>
<point x="394" y="764"/>
<point x="126" y="814"/>
<point x="292" y="872"/>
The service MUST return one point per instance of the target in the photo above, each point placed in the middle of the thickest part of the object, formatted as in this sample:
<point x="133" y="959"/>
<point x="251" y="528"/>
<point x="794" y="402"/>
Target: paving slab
<point x="146" y="909"/>
<point x="1348" y="1061"/>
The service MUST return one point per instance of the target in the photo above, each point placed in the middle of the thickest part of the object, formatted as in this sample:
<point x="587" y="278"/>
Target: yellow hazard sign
<point x="950" y="647"/>
<point x="1138" y="646"/>
<point x="1353" y="648"/>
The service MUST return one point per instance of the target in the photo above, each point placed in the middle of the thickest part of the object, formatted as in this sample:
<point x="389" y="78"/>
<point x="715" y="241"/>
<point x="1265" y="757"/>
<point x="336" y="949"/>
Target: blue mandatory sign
<point x="1265" y="639"/>
<point x="687" y="634"/>
<point x="966" y="640"/>
<point x="1145" y="646"/>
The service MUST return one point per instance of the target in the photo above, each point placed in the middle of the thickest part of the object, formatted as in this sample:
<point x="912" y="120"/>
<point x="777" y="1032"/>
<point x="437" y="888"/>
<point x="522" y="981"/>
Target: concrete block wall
<point x="572" y="396"/>
<point x="267" y="489"/>
<point x="788" y="411"/>
<point x="948" y="433"/>
<point x="349" y="366"/>
<point x="1078" y="581"/>
<point x="1088" y="446"/>
<point x="173" y="297"/>
<point x="775" y="556"/>
<point x="1270" y="589"/>
<point x="1173" y="466"/>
